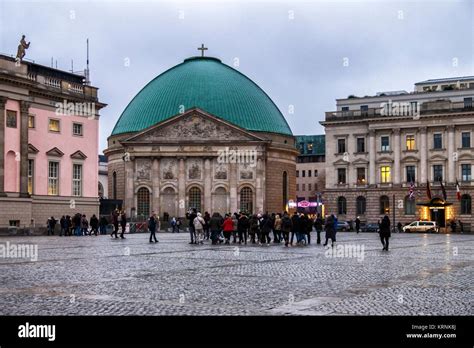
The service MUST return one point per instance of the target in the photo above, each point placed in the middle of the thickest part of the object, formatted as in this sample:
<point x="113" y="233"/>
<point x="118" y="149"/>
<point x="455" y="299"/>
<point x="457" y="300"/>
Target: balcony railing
<point x="427" y="108"/>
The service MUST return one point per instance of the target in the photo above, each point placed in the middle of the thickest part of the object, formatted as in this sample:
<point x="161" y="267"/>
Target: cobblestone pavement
<point x="421" y="274"/>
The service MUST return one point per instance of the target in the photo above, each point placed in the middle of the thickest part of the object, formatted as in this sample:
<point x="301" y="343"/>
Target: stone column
<point x="372" y="152"/>
<point x="233" y="175"/>
<point x="24" y="107"/>
<point x="207" y="184"/>
<point x="260" y="185"/>
<point x="181" y="187"/>
<point x="396" y="156"/>
<point x="155" y="182"/>
<point x="129" y="199"/>
<point x="451" y="175"/>
<point x="3" y="102"/>
<point x="423" y="157"/>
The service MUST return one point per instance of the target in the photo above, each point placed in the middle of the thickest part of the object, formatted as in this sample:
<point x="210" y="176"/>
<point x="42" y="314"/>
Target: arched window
<point x="360" y="205"/>
<point x="409" y="206"/>
<point x="195" y="198"/>
<point x="246" y="200"/>
<point x="384" y="205"/>
<point x="143" y="202"/>
<point x="114" y="185"/>
<point x="466" y="204"/>
<point x="341" y="205"/>
<point x="101" y="190"/>
<point x="285" y="190"/>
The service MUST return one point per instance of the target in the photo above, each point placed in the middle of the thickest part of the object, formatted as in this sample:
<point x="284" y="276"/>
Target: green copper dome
<point x="210" y="85"/>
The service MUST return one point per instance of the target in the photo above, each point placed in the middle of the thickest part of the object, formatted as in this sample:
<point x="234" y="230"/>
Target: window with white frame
<point x="77" y="179"/>
<point x="53" y="175"/>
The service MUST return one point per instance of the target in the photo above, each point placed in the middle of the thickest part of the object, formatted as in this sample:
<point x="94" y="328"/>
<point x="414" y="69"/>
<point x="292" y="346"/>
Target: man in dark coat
<point x="385" y="232"/>
<point x="330" y="230"/>
<point x="152" y="227"/>
<point x="123" y="223"/>
<point x="94" y="222"/>
<point x="357" y="225"/>
<point x="286" y="227"/>
<point x="243" y="225"/>
<point x="215" y="224"/>
<point x="191" y="215"/>
<point x="115" y="222"/>
<point x="318" y="225"/>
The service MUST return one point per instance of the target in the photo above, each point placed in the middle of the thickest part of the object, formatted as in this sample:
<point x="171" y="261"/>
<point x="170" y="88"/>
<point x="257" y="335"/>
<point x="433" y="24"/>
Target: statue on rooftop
<point x="22" y="48"/>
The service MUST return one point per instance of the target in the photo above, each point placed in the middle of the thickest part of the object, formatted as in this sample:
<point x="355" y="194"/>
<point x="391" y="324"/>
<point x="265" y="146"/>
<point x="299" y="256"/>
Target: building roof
<point x="208" y="84"/>
<point x="445" y="80"/>
<point x="318" y="144"/>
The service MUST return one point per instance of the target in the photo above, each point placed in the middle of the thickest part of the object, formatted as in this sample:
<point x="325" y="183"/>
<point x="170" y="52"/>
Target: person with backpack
<point x="286" y="227"/>
<point x="253" y="224"/>
<point x="318" y="225"/>
<point x="152" y="224"/>
<point x="199" y="223"/>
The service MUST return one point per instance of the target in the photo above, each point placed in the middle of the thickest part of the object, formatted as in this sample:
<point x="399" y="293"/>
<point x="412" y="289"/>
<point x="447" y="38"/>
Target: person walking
<point x="461" y="226"/>
<point x="215" y="224"/>
<point x="173" y="225"/>
<point x="68" y="225"/>
<point x="115" y="222"/>
<point x="228" y="228"/>
<point x="357" y="225"/>
<point x="318" y="225"/>
<point x="330" y="231"/>
<point x="267" y="227"/>
<point x="123" y="223"/>
<point x="301" y="234"/>
<point x="385" y="232"/>
<point x="76" y="222"/>
<point x="199" y="228"/>
<point x="191" y="215"/>
<point x="235" y="230"/>
<point x="152" y="223"/>
<point x="286" y="227"/>
<point x="94" y="222"/>
<point x="277" y="229"/>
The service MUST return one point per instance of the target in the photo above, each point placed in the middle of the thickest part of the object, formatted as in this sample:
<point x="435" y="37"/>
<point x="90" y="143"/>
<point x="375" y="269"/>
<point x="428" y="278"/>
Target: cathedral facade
<point x="204" y="136"/>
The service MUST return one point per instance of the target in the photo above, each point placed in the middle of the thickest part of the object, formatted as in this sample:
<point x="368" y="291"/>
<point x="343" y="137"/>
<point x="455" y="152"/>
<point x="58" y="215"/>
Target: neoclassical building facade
<point x="201" y="135"/>
<point x="380" y="148"/>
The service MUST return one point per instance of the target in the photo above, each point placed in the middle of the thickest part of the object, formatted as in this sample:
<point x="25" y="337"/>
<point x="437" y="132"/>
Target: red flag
<point x="458" y="190"/>
<point x="428" y="189"/>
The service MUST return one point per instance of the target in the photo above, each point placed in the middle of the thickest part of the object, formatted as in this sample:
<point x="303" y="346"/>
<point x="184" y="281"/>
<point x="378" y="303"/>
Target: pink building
<point x="49" y="135"/>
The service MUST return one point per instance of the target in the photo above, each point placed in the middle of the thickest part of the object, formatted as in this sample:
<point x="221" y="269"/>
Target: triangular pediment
<point x="437" y="158"/>
<point x="55" y="152"/>
<point x="341" y="162"/>
<point x="32" y="149"/>
<point x="194" y="126"/>
<point x="79" y="155"/>
<point x="360" y="161"/>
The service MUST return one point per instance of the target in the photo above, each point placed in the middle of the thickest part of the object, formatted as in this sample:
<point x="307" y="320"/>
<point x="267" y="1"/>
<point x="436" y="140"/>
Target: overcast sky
<point x="295" y="51"/>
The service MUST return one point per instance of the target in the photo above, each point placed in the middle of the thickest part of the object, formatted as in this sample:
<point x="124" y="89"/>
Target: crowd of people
<point x="261" y="229"/>
<point x="77" y="225"/>
<point x="238" y="228"/>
